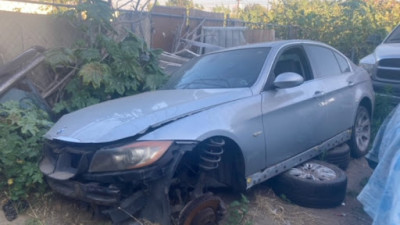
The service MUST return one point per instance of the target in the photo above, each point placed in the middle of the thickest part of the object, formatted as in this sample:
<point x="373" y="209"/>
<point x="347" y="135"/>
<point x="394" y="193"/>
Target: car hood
<point x="129" y="116"/>
<point x="387" y="50"/>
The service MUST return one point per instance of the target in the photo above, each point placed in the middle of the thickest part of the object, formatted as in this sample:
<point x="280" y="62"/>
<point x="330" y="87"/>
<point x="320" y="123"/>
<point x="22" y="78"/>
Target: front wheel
<point x="361" y="133"/>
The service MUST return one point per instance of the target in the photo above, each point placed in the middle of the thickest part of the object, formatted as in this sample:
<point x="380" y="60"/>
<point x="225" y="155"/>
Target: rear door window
<point x="323" y="61"/>
<point x="343" y="64"/>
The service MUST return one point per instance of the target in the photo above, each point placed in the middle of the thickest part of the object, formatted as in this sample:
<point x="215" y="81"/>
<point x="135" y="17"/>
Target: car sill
<point x="300" y="158"/>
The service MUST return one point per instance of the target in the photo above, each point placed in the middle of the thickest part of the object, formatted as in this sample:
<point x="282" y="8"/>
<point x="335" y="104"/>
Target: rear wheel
<point x="361" y="133"/>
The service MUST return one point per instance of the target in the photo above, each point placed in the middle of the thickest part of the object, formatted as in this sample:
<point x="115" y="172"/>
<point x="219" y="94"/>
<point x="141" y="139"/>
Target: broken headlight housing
<point x="130" y="156"/>
<point x="368" y="67"/>
<point x="368" y="63"/>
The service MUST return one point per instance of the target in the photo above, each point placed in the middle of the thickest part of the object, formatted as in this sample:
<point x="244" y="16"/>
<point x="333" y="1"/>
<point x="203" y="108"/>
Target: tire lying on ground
<point x="339" y="156"/>
<point x="314" y="184"/>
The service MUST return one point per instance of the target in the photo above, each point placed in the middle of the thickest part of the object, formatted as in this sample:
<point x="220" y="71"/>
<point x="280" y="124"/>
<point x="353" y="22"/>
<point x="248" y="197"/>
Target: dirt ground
<point x="267" y="208"/>
<point x="264" y="207"/>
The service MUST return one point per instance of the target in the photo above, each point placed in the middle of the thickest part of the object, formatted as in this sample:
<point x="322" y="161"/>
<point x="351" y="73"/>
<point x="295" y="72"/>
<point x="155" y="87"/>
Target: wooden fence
<point x="160" y="28"/>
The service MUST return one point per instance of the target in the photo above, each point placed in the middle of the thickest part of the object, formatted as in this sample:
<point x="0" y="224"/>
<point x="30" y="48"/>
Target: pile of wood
<point x="170" y="62"/>
<point x="17" y="69"/>
<point x="28" y="73"/>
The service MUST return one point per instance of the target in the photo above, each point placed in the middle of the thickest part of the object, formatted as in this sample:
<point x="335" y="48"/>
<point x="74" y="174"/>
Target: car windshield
<point x="394" y="37"/>
<point x="230" y="69"/>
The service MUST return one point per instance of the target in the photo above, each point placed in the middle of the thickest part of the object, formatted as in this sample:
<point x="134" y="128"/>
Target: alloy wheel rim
<point x="313" y="171"/>
<point x="363" y="131"/>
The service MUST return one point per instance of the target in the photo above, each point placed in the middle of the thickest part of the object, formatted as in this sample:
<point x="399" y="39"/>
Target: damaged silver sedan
<point x="232" y="118"/>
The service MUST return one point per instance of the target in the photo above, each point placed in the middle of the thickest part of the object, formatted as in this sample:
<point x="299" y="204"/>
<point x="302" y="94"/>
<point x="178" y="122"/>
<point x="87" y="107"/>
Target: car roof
<point x="273" y="44"/>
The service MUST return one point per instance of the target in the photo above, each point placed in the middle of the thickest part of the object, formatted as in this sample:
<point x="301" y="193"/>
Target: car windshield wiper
<point x="207" y="83"/>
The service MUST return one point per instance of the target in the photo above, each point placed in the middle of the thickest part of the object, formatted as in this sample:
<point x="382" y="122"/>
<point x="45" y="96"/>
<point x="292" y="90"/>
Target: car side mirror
<point x="288" y="80"/>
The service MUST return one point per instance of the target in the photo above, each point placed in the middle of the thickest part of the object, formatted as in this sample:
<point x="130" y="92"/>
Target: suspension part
<point x="211" y="155"/>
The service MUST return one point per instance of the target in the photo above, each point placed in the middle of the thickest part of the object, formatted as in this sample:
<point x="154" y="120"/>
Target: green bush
<point x="108" y="64"/>
<point x="354" y="27"/>
<point x="21" y="131"/>
<point x="125" y="68"/>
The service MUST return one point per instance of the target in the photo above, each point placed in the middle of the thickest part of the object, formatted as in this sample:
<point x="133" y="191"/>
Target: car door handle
<point x="350" y="83"/>
<point x="318" y="93"/>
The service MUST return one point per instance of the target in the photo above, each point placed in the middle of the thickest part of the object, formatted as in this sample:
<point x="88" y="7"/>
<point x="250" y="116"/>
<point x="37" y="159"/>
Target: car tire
<point x="314" y="184"/>
<point x="339" y="156"/>
<point x="361" y="133"/>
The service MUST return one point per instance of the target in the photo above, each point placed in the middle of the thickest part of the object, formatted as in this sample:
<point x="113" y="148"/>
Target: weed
<point x="237" y="212"/>
<point x="33" y="221"/>
<point x="21" y="129"/>
<point x="285" y="198"/>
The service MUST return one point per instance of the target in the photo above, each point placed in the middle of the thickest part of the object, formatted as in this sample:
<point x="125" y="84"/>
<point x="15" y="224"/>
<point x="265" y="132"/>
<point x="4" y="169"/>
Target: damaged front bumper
<point x="118" y="208"/>
<point x="141" y="192"/>
<point x="89" y="192"/>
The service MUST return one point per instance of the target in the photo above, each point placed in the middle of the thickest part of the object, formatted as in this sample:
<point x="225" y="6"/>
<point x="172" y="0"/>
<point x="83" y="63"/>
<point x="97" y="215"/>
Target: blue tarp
<point x="381" y="195"/>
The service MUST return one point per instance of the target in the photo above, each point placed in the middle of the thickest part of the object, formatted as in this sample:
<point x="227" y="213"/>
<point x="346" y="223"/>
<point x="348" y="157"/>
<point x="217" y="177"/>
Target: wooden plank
<point x="20" y="74"/>
<point x="183" y="51"/>
<point x="20" y="59"/>
<point x="173" y="58"/>
<point x="203" y="45"/>
<point x="58" y="84"/>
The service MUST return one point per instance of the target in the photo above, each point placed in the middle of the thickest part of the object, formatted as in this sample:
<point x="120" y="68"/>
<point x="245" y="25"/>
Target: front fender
<point x="239" y="120"/>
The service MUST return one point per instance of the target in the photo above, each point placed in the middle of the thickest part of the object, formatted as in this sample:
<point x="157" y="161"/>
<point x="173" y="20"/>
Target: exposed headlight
<point x="130" y="156"/>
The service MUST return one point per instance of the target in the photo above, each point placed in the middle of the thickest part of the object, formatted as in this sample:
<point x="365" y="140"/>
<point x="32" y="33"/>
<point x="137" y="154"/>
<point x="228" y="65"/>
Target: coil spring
<point x="211" y="154"/>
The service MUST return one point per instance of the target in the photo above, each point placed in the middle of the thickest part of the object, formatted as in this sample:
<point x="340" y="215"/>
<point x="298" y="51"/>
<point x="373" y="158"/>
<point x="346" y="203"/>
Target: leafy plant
<point x="237" y="212"/>
<point x="106" y="68"/>
<point x="347" y="25"/>
<point x="383" y="106"/>
<point x="33" y="221"/>
<point x="21" y="129"/>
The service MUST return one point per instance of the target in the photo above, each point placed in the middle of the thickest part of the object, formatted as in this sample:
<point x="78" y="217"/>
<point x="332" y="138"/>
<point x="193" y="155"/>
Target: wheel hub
<point x="205" y="217"/>
<point x="204" y="210"/>
<point x="363" y="131"/>
<point x="313" y="171"/>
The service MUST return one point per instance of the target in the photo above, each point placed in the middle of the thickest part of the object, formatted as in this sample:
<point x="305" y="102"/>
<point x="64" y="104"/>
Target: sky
<point x="7" y="5"/>
<point x="209" y="4"/>
<point x="10" y="5"/>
